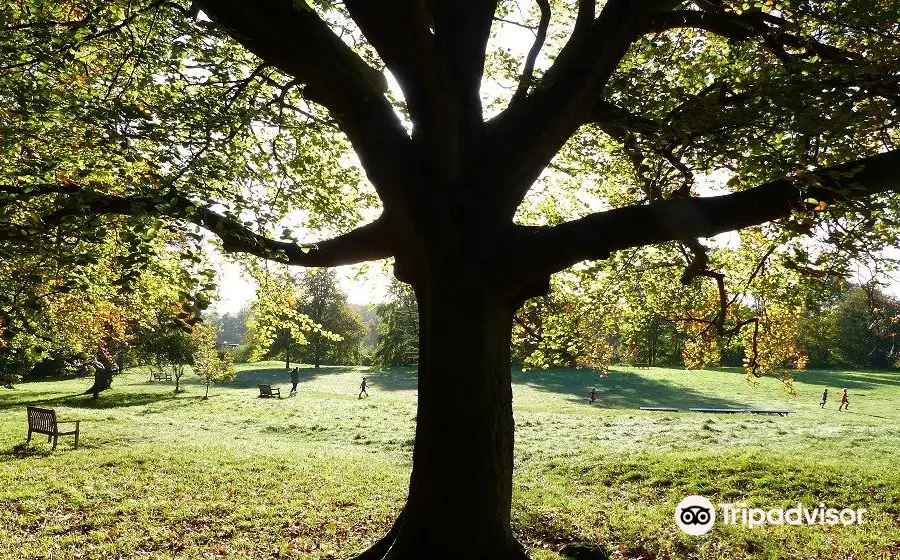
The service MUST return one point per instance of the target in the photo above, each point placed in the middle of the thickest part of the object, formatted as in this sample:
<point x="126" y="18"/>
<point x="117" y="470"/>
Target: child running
<point x="845" y="401"/>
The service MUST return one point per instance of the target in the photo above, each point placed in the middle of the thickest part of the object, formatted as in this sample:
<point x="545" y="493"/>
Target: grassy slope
<point x="321" y="475"/>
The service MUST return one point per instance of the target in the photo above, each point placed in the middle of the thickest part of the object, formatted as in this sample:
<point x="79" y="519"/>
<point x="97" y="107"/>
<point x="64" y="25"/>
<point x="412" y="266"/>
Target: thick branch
<point x="400" y="32"/>
<point x="528" y="135"/>
<point x="369" y="242"/>
<point x="730" y="25"/>
<point x="365" y="243"/>
<point x="448" y="123"/>
<point x="545" y="250"/>
<point x="462" y="30"/>
<point x="527" y="78"/>
<point x="292" y="37"/>
<point x="586" y="13"/>
<point x="747" y="26"/>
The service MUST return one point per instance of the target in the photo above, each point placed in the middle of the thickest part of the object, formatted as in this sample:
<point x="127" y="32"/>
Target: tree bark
<point x="317" y="356"/>
<point x="103" y="374"/>
<point x="287" y="350"/>
<point x="102" y="382"/>
<point x="460" y="491"/>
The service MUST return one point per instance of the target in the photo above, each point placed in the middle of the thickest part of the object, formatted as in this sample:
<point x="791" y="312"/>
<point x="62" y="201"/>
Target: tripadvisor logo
<point x="695" y="515"/>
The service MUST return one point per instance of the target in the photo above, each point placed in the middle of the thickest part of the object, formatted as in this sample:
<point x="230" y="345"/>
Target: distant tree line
<point x="858" y="329"/>
<point x="306" y="318"/>
<point x="840" y="325"/>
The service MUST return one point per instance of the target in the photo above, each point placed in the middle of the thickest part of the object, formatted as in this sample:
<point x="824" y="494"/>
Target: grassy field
<point x="321" y="475"/>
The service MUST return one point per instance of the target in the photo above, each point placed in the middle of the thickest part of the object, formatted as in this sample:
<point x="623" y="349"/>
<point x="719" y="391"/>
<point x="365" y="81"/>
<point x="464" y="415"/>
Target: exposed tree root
<point x="584" y="551"/>
<point x="378" y="550"/>
<point x="385" y="549"/>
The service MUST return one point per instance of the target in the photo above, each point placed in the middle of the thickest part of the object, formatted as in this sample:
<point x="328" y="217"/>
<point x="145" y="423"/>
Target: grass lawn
<point x="322" y="475"/>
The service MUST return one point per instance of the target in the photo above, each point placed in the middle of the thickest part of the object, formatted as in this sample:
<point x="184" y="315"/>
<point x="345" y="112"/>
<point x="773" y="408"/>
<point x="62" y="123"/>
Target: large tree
<point x="326" y="305"/>
<point x="207" y="112"/>
<point x="398" y="328"/>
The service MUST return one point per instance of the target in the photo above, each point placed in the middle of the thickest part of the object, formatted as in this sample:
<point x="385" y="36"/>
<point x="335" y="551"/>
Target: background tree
<point x="856" y="329"/>
<point x="84" y="301"/>
<point x="168" y="345"/>
<point x="562" y="329"/>
<point x="211" y="363"/>
<point x="326" y="305"/>
<point x="231" y="327"/>
<point x="794" y="104"/>
<point x="276" y="325"/>
<point x="398" y="328"/>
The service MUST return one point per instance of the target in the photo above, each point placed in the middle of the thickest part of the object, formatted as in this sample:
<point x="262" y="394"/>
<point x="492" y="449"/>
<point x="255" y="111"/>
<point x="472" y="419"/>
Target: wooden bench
<point x="659" y="408"/>
<point x="778" y="411"/>
<point x="43" y="421"/>
<point x="268" y="392"/>
<point x="160" y="376"/>
<point x="641" y="365"/>
<point x="721" y="410"/>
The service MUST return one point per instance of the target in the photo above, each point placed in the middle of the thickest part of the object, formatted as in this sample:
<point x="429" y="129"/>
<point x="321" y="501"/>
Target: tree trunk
<point x="317" y="355"/>
<point x="287" y="353"/>
<point x="103" y="375"/>
<point x="102" y="382"/>
<point x="461" y="485"/>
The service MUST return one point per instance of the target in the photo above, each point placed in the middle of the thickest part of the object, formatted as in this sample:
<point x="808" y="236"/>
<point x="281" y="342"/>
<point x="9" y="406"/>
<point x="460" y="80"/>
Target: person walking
<point x="824" y="397"/>
<point x="845" y="401"/>
<point x="362" y="389"/>
<point x="295" y="378"/>
<point x="593" y="395"/>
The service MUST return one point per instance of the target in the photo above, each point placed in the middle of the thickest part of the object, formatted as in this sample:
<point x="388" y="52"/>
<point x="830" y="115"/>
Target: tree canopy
<point x="674" y="120"/>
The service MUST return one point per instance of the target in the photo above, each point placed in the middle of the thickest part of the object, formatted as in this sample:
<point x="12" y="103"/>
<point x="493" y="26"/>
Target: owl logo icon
<point x="695" y="515"/>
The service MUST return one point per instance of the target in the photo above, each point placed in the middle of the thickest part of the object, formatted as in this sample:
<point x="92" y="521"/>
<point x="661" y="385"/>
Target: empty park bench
<point x="721" y="410"/>
<point x="660" y="408"/>
<point x="160" y="376"/>
<point x="268" y="392"/>
<point x="43" y="421"/>
<point x="641" y="365"/>
<point x="778" y="411"/>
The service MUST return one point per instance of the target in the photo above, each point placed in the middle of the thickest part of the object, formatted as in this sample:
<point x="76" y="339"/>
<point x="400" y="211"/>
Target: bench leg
<point x="76" y="439"/>
<point x="28" y="439"/>
<point x="55" y="437"/>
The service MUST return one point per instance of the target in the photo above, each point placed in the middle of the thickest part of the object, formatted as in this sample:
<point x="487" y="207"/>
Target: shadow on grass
<point x="620" y="389"/>
<point x="22" y="451"/>
<point x="834" y="378"/>
<point x="395" y="379"/>
<point x="281" y="378"/>
<point x="865" y="414"/>
<point x="853" y="380"/>
<point x="108" y="399"/>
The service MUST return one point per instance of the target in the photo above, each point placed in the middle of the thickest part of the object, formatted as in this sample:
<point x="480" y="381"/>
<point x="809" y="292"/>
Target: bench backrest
<point x="265" y="389"/>
<point x="41" y="420"/>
